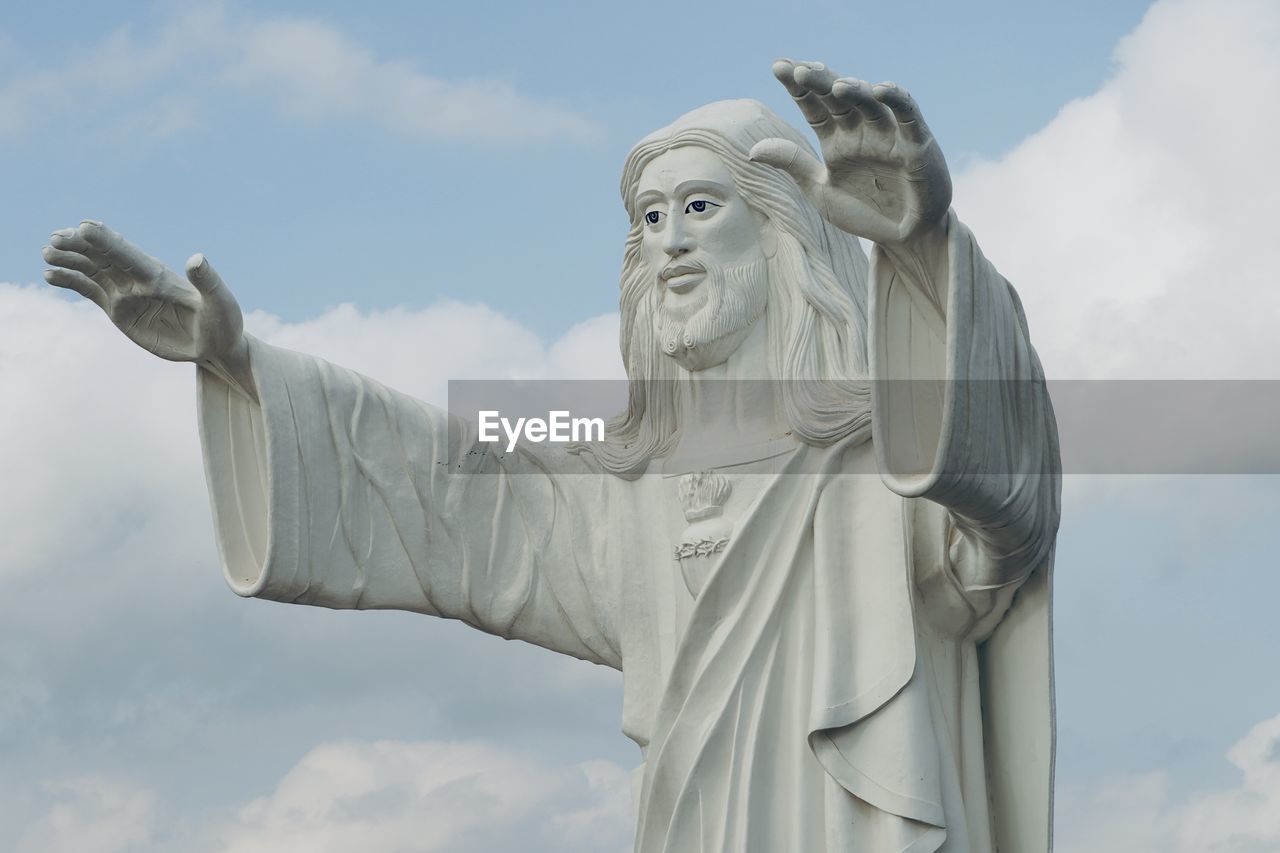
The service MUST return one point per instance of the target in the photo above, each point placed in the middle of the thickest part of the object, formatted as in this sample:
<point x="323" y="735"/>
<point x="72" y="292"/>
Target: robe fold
<point x="867" y="667"/>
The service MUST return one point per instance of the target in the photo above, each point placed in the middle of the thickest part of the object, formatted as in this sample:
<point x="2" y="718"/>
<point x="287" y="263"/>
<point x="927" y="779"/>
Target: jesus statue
<point x="817" y="542"/>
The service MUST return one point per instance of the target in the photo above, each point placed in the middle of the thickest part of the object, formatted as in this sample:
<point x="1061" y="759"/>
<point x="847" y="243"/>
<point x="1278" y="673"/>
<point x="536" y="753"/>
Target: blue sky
<point x="306" y="211"/>
<point x="426" y="192"/>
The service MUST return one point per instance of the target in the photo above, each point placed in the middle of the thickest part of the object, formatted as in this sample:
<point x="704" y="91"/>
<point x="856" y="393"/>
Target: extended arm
<point x="960" y="412"/>
<point x="336" y="491"/>
<point x="962" y="417"/>
<point x="329" y="489"/>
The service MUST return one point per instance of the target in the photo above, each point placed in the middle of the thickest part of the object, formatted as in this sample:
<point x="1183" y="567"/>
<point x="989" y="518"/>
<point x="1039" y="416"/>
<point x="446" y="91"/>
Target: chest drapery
<point x="787" y="707"/>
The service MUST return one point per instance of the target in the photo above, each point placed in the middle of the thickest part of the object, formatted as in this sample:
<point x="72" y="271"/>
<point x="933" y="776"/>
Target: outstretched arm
<point x="959" y="409"/>
<point x="194" y="319"/>
<point x="330" y="489"/>
<point x="336" y="491"/>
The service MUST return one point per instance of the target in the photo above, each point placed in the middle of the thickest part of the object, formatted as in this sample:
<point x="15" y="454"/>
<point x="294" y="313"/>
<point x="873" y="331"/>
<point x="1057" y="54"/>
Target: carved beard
<point x="706" y="333"/>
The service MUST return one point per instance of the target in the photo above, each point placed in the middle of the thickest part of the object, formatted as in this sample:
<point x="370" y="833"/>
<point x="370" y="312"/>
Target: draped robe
<point x="867" y="667"/>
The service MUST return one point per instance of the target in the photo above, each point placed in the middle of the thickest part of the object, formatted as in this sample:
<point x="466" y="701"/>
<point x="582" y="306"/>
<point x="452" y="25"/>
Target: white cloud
<point x="350" y="797"/>
<point x="91" y="440"/>
<point x="91" y="815"/>
<point x="1138" y="815"/>
<point x="315" y="70"/>
<point x="1137" y="225"/>
<point x="151" y="82"/>
<point x="98" y="81"/>
<point x="589" y="350"/>
<point x="434" y="797"/>
<point x="418" y="351"/>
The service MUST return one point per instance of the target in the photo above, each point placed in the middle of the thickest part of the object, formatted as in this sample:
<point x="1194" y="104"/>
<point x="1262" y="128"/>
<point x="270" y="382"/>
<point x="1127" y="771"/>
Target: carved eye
<point x="652" y="217"/>
<point x="700" y="206"/>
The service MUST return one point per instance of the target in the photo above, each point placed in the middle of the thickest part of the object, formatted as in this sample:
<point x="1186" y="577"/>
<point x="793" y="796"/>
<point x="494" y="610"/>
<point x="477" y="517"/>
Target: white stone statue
<point x="828" y="593"/>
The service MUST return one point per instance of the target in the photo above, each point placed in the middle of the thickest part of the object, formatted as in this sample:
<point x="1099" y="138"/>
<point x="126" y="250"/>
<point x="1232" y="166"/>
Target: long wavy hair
<point x="816" y="310"/>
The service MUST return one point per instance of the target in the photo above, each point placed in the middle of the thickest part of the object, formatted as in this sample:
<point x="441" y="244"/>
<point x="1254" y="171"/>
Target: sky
<point x="428" y="192"/>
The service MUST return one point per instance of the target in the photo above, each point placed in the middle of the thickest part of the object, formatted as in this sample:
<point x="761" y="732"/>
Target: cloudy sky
<point x="428" y="192"/>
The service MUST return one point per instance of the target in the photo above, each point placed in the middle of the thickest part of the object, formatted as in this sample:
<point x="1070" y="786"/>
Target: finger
<point x="818" y="80"/>
<point x="221" y="313"/>
<point x="79" y="282"/>
<point x="69" y="260"/>
<point x="118" y="251"/>
<point x="815" y="77"/>
<point x="202" y="274"/>
<point x="904" y="109"/>
<point x="803" y="167"/>
<point x="811" y="107"/>
<point x="852" y="97"/>
<point x="67" y="238"/>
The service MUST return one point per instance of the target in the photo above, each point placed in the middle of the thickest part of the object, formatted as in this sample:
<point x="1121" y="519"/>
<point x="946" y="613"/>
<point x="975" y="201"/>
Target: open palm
<point x="180" y="319"/>
<point x="884" y="177"/>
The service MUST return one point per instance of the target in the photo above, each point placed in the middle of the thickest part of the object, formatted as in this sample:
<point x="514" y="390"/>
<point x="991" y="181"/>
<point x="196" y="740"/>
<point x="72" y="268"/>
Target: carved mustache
<point x="670" y="271"/>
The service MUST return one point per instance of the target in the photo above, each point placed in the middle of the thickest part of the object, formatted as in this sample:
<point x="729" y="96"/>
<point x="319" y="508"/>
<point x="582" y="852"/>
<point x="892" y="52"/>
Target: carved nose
<point x="677" y="240"/>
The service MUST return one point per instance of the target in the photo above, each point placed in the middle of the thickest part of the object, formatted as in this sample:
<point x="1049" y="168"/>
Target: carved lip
<point x="682" y="277"/>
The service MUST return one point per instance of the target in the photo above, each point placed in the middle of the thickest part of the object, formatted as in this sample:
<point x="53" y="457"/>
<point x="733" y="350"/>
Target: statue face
<point x="703" y="245"/>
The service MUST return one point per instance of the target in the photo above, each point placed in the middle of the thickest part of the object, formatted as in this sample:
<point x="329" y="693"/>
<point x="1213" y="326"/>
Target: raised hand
<point x="193" y="319"/>
<point x="884" y="178"/>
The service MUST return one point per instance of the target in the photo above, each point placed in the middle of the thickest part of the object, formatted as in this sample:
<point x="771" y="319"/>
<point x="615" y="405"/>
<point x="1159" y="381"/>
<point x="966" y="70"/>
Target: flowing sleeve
<point x="961" y="414"/>
<point x="335" y="491"/>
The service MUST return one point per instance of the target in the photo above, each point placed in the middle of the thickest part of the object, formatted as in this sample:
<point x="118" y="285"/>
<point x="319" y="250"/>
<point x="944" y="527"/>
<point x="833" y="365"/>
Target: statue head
<point x="718" y="243"/>
<point x="705" y="250"/>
